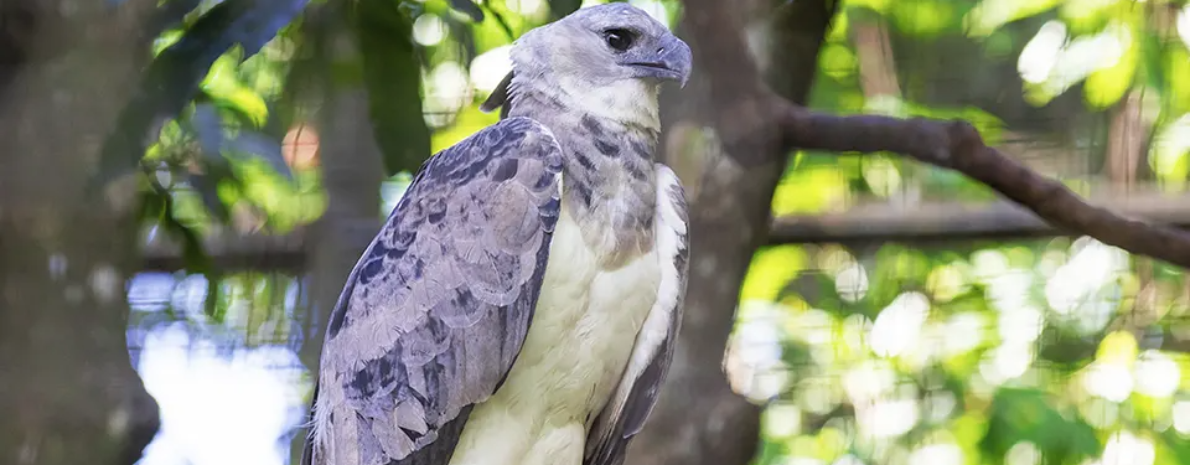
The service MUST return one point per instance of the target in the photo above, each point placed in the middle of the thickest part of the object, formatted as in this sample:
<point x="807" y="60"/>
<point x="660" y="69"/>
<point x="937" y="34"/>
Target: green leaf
<point x="207" y="187"/>
<point x="208" y="126"/>
<point x="174" y="76"/>
<point x="392" y="76"/>
<point x="500" y="20"/>
<point x="990" y="15"/>
<point x="1105" y="87"/>
<point x="1029" y="415"/>
<point x="469" y="8"/>
<point x="261" y="146"/>
<point x="1172" y="447"/>
<point x="560" y="8"/>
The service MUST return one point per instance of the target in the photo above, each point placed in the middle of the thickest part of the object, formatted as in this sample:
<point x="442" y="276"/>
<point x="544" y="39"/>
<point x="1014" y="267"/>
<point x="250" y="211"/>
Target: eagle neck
<point x="609" y="185"/>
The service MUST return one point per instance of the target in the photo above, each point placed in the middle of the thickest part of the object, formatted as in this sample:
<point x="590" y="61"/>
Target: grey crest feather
<point x="436" y="310"/>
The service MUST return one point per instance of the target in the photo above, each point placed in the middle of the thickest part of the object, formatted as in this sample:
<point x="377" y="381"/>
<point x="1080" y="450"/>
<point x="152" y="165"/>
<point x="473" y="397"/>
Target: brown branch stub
<point x="958" y="145"/>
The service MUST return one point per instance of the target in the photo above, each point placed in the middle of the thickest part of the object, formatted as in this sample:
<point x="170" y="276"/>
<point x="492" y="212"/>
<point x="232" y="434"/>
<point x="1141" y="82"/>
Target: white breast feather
<point x="669" y="228"/>
<point x="581" y="339"/>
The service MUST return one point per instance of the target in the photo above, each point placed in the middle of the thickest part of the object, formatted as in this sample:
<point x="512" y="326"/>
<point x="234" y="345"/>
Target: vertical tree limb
<point x="699" y="419"/>
<point x="67" y="388"/>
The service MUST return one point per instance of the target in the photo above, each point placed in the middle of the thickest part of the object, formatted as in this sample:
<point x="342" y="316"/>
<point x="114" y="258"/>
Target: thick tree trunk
<point x="699" y="419"/>
<point x="67" y="388"/>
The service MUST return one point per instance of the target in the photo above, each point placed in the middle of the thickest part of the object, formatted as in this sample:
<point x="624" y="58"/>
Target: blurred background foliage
<point x="1055" y="351"/>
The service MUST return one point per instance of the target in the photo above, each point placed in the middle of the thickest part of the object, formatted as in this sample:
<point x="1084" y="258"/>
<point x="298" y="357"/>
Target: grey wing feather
<point x="436" y="310"/>
<point x="501" y="97"/>
<point x="624" y="417"/>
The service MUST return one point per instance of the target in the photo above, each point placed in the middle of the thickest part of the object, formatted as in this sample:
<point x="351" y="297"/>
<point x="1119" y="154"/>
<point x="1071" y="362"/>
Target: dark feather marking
<point x="433" y="270"/>
<point x="593" y="126"/>
<point x="638" y="175"/>
<point x="584" y="160"/>
<point x="339" y="313"/>
<point x="641" y="149"/>
<point x="583" y="190"/>
<point x="609" y="149"/>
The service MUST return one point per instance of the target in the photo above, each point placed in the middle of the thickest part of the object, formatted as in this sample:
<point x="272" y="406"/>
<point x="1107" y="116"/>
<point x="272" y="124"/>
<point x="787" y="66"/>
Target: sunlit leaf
<point x="172" y="79"/>
<point x="927" y="18"/>
<point x="878" y="6"/>
<point x="990" y="15"/>
<point x="1089" y="16"/>
<point x="810" y="190"/>
<point x="1106" y="86"/>
<point x="770" y="270"/>
<point x="1172" y="447"/>
<point x="502" y="21"/>
<point x="469" y="121"/>
<point x="260" y="145"/>
<point x="1118" y="347"/>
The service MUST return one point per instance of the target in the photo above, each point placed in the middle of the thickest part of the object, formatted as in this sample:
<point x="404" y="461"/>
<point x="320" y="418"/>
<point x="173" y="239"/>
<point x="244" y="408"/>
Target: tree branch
<point x="752" y="118"/>
<point x="942" y="222"/>
<point x="957" y="145"/>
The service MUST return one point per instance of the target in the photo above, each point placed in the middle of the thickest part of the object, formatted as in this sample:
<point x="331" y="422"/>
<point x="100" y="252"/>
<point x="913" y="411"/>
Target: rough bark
<point x="67" y="388"/>
<point x="699" y="419"/>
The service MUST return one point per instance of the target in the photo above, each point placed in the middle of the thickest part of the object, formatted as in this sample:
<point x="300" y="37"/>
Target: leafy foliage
<point x="1027" y="415"/>
<point x="175" y="75"/>
<point x="393" y="79"/>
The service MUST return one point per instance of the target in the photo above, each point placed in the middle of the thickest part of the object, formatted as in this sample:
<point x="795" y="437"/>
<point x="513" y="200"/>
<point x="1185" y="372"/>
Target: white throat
<point x="627" y="101"/>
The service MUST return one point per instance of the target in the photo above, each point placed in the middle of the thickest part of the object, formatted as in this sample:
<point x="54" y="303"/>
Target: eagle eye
<point x="619" y="39"/>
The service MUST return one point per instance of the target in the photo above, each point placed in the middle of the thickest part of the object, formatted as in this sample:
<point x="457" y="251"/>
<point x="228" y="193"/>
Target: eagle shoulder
<point x="436" y="310"/>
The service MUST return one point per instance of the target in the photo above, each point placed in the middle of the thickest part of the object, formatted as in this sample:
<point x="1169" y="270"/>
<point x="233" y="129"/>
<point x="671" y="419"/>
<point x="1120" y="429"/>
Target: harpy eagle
<point x="521" y="304"/>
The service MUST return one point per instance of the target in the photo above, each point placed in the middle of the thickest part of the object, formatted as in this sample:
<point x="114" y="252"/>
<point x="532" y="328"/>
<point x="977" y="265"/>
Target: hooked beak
<point x="671" y="61"/>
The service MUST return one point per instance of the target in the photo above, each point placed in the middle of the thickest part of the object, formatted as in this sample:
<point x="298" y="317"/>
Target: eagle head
<point x="612" y="56"/>
<point x="603" y="44"/>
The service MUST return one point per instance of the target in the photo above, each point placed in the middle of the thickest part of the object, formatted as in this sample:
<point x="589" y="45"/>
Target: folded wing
<point x="436" y="310"/>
